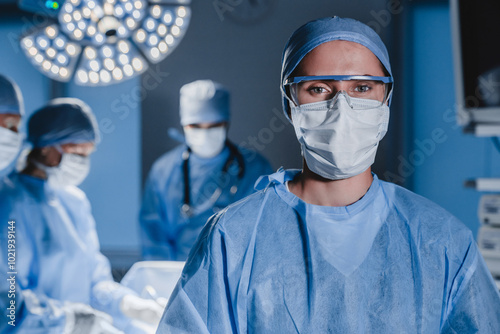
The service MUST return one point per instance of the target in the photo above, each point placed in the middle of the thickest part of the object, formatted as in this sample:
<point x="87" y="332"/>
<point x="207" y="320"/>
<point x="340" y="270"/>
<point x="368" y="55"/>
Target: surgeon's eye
<point x="12" y="128"/>
<point x="315" y="88"/>
<point x="11" y="124"/>
<point x="363" y="88"/>
<point x="318" y="90"/>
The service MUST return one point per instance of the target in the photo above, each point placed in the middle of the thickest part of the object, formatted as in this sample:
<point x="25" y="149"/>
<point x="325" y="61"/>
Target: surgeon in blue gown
<point x="53" y="277"/>
<point x="11" y="111"/>
<point x="331" y="248"/>
<point x="193" y="181"/>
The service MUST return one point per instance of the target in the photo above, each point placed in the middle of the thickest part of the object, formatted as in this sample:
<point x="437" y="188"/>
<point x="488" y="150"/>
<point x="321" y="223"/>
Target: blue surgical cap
<point x="203" y="101"/>
<point x="11" y="100"/>
<point x="320" y="31"/>
<point x="63" y="121"/>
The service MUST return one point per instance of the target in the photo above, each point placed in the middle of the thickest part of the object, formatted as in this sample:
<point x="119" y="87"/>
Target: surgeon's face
<point x="10" y="121"/>
<point x="51" y="156"/>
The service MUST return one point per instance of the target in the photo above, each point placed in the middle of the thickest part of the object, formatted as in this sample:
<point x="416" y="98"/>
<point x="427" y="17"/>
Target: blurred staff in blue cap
<point x="11" y="111"/>
<point x="190" y="183"/>
<point x="331" y="248"/>
<point x="61" y="281"/>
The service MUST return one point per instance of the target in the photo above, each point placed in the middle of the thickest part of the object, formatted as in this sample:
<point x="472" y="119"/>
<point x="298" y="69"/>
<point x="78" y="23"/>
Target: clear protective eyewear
<point x="311" y="89"/>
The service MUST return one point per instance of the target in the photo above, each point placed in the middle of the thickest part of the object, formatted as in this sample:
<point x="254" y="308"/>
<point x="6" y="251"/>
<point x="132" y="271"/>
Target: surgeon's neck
<point x="314" y="189"/>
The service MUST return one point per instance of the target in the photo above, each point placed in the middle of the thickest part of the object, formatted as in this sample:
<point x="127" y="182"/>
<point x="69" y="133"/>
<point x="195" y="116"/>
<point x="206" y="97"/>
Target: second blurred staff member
<point x="192" y="182"/>
<point x="63" y="283"/>
<point x="11" y="110"/>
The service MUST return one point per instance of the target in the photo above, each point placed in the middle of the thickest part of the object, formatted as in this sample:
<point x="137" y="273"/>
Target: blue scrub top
<point x="393" y="262"/>
<point x="57" y="257"/>
<point x="166" y="232"/>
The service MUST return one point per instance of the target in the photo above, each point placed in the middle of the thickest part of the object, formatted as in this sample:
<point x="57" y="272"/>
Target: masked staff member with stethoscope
<point x="195" y="180"/>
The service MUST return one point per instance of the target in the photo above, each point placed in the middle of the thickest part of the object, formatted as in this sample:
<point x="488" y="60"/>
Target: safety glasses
<point x="311" y="89"/>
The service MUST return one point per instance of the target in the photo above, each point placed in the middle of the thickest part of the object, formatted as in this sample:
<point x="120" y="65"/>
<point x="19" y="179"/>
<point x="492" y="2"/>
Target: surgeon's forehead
<point x="339" y="58"/>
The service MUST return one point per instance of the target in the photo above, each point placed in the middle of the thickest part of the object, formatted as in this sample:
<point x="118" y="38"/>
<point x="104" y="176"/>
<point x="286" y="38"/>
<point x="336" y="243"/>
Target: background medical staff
<point x="11" y="111"/>
<point x="62" y="282"/>
<point x="195" y="180"/>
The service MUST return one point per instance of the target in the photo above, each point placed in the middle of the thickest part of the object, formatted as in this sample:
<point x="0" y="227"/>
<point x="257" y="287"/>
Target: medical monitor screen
<point x="480" y="44"/>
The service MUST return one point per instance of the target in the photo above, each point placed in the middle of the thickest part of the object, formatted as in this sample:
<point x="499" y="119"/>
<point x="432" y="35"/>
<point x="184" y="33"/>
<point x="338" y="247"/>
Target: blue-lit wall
<point x="113" y="185"/>
<point x="442" y="157"/>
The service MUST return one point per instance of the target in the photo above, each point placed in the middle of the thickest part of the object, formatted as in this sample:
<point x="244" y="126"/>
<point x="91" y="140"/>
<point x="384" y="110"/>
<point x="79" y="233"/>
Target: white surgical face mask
<point x="206" y="143"/>
<point x="72" y="170"/>
<point x="10" y="145"/>
<point x="338" y="141"/>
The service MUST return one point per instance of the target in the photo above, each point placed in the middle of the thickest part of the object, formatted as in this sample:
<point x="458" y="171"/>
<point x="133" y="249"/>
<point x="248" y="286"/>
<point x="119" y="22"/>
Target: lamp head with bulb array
<point x="101" y="42"/>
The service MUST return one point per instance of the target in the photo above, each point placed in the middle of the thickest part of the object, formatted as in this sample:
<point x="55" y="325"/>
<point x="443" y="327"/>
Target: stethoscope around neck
<point x="234" y="156"/>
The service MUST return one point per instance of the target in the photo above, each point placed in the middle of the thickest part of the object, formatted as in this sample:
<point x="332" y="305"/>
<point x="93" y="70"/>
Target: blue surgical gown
<point x="166" y="232"/>
<point x="392" y="262"/>
<point x="57" y="257"/>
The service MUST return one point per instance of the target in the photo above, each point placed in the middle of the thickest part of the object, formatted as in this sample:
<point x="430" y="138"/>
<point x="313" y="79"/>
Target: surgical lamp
<point x="101" y="42"/>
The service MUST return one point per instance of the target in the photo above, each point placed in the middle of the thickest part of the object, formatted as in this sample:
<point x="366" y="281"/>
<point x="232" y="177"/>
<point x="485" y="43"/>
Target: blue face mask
<point x="206" y="143"/>
<point x="10" y="145"/>
<point x="338" y="138"/>
<point x="72" y="170"/>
